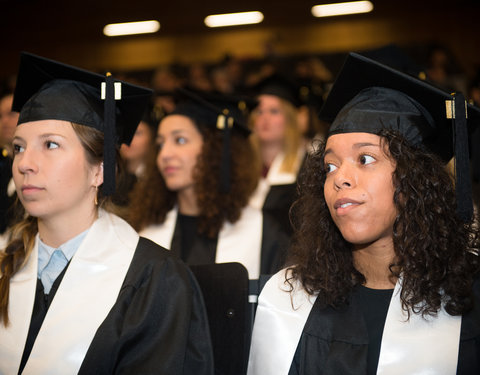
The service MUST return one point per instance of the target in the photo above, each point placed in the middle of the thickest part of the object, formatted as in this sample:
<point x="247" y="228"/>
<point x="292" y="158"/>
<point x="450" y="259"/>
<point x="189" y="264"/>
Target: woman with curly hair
<point x="383" y="274"/>
<point x="80" y="291"/>
<point x="194" y="199"/>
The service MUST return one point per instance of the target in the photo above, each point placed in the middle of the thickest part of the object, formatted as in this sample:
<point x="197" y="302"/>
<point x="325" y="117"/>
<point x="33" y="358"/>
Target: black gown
<point x="196" y="249"/>
<point x="279" y="199"/>
<point x="337" y="341"/>
<point x="158" y="325"/>
<point x="277" y="204"/>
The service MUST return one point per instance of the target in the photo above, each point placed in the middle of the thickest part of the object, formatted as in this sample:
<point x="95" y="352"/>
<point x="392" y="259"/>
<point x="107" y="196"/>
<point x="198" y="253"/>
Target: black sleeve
<point x="158" y="324"/>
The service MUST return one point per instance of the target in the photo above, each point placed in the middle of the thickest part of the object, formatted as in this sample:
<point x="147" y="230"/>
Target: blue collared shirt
<point x="51" y="261"/>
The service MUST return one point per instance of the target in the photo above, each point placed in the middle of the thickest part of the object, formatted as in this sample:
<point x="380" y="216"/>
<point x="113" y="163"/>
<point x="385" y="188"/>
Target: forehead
<point x="174" y="123"/>
<point x="268" y="99"/>
<point x="351" y="141"/>
<point x="38" y="128"/>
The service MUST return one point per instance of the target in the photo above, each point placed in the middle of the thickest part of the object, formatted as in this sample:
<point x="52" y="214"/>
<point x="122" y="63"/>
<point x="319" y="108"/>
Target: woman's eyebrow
<point x="355" y="145"/>
<point x="365" y="144"/>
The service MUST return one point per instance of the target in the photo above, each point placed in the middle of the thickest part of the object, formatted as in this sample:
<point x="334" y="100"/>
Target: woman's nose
<point x="344" y="177"/>
<point x="27" y="162"/>
<point x="165" y="151"/>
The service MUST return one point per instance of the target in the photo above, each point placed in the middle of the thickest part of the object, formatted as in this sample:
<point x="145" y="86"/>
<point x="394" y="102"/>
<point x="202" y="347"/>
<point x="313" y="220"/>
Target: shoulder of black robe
<point x="333" y="341"/>
<point x="278" y="202"/>
<point x="275" y="243"/>
<point x="158" y="324"/>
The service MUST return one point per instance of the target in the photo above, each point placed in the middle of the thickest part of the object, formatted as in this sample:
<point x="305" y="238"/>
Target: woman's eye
<point x="51" y="145"/>
<point x="181" y="140"/>
<point x="17" y="149"/>
<point x="329" y="167"/>
<point x="275" y="111"/>
<point x="366" y="159"/>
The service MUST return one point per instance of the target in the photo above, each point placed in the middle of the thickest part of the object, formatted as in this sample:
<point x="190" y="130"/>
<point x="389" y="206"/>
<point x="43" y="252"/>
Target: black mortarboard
<point x="50" y="90"/>
<point x="152" y="117"/>
<point x="213" y="109"/>
<point x="311" y="93"/>
<point x="279" y="85"/>
<point x="226" y="113"/>
<point x="368" y="96"/>
<point x="396" y="58"/>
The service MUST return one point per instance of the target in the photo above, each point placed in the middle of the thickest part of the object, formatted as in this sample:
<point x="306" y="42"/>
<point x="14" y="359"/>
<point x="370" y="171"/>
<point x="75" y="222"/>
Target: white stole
<point x="238" y="242"/>
<point x="417" y="346"/>
<point x="85" y="296"/>
<point x="276" y="177"/>
<point x="279" y="323"/>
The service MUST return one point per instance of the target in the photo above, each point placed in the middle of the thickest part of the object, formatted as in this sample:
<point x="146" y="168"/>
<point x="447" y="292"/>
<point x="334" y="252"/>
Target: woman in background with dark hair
<point x="384" y="268"/>
<point x="194" y="200"/>
<point x="80" y="291"/>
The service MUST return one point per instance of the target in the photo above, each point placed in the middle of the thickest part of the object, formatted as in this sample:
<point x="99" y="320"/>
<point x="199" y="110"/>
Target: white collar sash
<point x="85" y="296"/>
<point x="276" y="177"/>
<point x="238" y="242"/>
<point x="417" y="346"/>
<point x="420" y="346"/>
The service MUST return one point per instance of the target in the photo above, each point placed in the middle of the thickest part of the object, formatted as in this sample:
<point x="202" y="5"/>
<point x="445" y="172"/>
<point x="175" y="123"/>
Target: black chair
<point x="225" y="291"/>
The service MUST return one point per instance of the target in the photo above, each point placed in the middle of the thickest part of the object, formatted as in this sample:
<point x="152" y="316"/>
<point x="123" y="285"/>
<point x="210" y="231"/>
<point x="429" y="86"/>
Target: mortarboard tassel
<point x="463" y="186"/>
<point x="227" y="123"/>
<point x="109" y="138"/>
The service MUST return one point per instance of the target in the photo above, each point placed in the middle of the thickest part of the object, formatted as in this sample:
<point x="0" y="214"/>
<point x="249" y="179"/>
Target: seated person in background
<point x="8" y="123"/>
<point x="135" y="155"/>
<point x="280" y="146"/>
<point x="384" y="266"/>
<point x="80" y="291"/>
<point x="194" y="199"/>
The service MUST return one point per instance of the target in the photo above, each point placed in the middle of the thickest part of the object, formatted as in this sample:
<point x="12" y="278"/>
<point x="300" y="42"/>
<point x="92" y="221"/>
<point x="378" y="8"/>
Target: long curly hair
<point x="436" y="254"/>
<point x="151" y="200"/>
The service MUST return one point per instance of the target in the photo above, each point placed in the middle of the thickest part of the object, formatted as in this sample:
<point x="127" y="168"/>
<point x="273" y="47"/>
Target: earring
<point x="95" y="201"/>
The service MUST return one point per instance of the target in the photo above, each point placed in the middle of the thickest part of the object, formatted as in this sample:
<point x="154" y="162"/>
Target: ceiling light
<point x="339" y="9"/>
<point x="233" y="19"/>
<point x="130" y="28"/>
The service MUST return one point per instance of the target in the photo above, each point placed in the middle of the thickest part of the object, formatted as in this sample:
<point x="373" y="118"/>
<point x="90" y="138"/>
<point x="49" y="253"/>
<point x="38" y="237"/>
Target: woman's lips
<point x="30" y="189"/>
<point x="345" y="204"/>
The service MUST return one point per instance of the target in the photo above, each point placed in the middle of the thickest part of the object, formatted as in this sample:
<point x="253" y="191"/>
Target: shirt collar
<point x="68" y="249"/>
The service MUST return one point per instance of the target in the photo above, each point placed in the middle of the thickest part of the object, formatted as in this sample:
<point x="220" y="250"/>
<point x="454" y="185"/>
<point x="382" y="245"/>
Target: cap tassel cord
<point x="226" y="156"/>
<point x="463" y="188"/>
<point x="109" y="138"/>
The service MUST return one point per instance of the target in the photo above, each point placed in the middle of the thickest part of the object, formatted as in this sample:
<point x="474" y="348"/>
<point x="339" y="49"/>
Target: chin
<point x="358" y="238"/>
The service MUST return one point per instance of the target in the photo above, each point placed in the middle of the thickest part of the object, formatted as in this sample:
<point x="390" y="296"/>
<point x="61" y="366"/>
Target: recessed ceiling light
<point x="130" y="28"/>
<point x="339" y="9"/>
<point x="233" y="19"/>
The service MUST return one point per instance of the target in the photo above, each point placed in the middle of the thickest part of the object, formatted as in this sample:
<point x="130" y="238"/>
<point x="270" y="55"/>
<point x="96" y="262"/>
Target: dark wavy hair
<point x="151" y="200"/>
<point x="436" y="253"/>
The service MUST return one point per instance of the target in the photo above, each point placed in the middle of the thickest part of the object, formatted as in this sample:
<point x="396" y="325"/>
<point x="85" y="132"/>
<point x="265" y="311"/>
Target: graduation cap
<point x="311" y="93"/>
<point x="50" y="90"/>
<point x="152" y="117"/>
<point x="368" y="96"/>
<point x="279" y="85"/>
<point x="225" y="113"/>
<point x="396" y="58"/>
